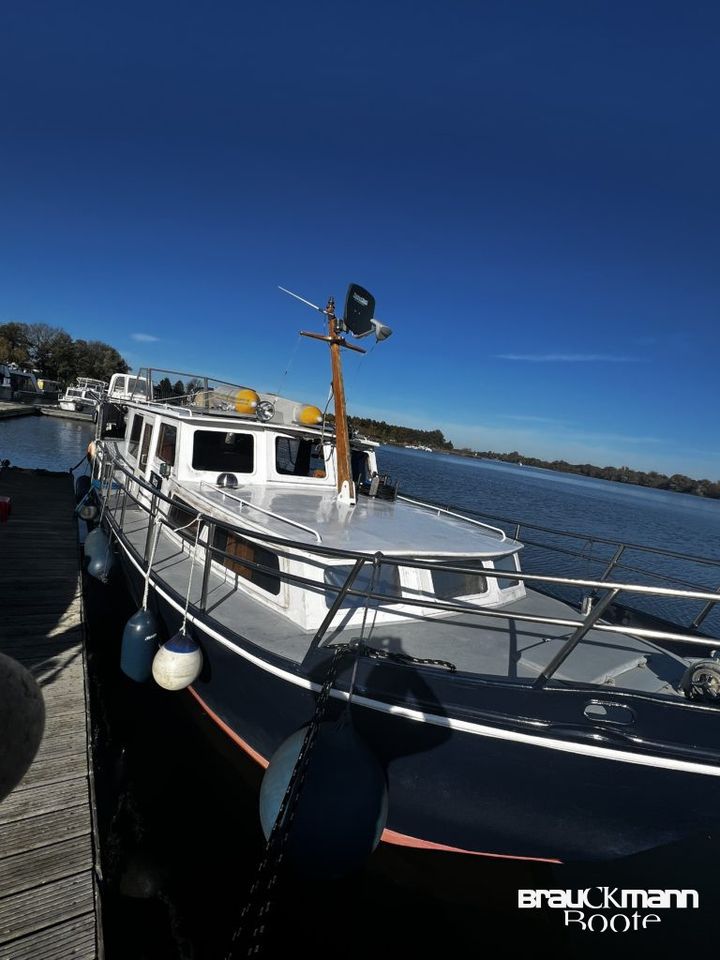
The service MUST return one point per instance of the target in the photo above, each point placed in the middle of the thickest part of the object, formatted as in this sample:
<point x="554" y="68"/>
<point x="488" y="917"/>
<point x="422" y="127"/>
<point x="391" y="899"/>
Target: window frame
<point x="285" y="475"/>
<point x="460" y="596"/>
<point x="364" y="578"/>
<point x="223" y="468"/>
<point x="236" y="568"/>
<point x="133" y="443"/>
<point x="159" y="451"/>
<point x="513" y="557"/>
<point x="146" y="444"/>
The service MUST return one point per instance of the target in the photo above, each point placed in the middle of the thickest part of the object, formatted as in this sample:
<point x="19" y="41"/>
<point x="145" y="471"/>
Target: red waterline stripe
<point x="388" y="836"/>
<point x="257" y="757"/>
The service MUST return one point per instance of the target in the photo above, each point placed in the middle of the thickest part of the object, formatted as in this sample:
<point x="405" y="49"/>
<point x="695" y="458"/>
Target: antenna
<point x="302" y="299"/>
<point x="358" y="319"/>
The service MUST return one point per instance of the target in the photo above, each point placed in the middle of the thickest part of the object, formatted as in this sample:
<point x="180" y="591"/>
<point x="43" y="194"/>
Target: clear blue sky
<point x="529" y="189"/>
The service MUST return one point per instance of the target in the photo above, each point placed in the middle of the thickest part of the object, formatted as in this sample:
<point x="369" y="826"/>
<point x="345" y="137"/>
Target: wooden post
<point x="342" y="441"/>
<point x="345" y="485"/>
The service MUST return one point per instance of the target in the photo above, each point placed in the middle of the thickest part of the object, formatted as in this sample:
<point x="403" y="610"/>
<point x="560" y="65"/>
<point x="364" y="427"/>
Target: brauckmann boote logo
<point x="609" y="909"/>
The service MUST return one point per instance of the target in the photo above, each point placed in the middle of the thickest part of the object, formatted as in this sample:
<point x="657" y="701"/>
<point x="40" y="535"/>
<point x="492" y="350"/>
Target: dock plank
<point x="53" y="770"/>
<point x="37" y="867"/>
<point x="42" y="831"/>
<point x="48" y="896"/>
<point x="72" y="939"/>
<point x="36" y="799"/>
<point x="34" y="910"/>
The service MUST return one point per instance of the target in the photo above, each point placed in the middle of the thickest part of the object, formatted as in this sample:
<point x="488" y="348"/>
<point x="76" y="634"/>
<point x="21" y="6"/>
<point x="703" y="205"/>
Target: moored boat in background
<point x="84" y="396"/>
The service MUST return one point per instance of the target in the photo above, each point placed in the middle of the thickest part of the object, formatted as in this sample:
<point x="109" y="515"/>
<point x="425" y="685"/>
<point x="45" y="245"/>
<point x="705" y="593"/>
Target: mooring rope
<point x="183" y="628"/>
<point x="146" y="591"/>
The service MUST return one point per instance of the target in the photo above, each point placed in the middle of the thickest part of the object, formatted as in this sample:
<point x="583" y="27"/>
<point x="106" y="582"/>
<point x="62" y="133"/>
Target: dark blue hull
<point x="479" y="765"/>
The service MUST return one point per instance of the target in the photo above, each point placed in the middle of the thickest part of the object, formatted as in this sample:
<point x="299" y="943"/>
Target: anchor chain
<point x="402" y="658"/>
<point x="255" y="914"/>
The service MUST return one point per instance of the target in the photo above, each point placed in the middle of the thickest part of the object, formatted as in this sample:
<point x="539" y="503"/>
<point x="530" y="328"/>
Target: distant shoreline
<point x="677" y="483"/>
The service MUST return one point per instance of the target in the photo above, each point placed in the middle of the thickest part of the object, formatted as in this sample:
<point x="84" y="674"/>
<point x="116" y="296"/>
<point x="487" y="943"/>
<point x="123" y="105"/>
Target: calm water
<point x="618" y="511"/>
<point x="50" y="443"/>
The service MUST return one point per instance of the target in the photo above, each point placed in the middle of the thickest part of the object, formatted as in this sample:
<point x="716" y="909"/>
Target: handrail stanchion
<point x="589" y="622"/>
<point x="124" y="505"/>
<point x="210" y="528"/>
<point x="151" y="527"/>
<point x="337" y="603"/>
<point x="704" y="612"/>
<point x="614" y="560"/>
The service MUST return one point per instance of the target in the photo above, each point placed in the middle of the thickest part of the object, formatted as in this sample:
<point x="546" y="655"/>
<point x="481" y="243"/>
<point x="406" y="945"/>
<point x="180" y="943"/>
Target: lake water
<point x="604" y="508"/>
<point x="49" y="443"/>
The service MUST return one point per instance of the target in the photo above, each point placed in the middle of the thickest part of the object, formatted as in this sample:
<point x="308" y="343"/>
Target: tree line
<point x="165" y="390"/>
<point x="677" y="482"/>
<point x="56" y="355"/>
<point x="389" y="433"/>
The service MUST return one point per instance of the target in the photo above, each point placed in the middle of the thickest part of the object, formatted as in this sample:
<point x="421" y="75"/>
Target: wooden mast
<point x="345" y="483"/>
<point x="342" y="437"/>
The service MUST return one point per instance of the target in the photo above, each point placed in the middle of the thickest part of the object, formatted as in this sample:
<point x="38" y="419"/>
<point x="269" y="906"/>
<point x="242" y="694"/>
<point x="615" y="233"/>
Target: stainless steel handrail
<point x="267" y="513"/>
<point x="581" y="627"/>
<point x="451" y="513"/>
<point x="592" y="538"/>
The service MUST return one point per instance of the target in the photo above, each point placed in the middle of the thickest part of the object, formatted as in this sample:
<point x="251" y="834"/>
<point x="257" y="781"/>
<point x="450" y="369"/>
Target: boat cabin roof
<point x="300" y="508"/>
<point x="395" y="527"/>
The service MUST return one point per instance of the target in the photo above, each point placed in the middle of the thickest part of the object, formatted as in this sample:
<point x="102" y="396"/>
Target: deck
<point x="67" y="414"/>
<point x="49" y="905"/>
<point x="8" y="410"/>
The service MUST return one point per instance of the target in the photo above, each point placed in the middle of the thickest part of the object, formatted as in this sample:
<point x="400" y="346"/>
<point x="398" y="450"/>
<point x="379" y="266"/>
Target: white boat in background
<point x="125" y="386"/>
<point x="84" y="396"/>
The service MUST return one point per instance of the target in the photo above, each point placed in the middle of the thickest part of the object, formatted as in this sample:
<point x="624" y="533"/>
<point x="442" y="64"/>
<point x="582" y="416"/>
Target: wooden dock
<point x="49" y="905"/>
<point x="16" y="410"/>
<point x="67" y="414"/>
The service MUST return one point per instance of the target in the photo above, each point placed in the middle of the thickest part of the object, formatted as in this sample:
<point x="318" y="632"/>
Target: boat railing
<point x="617" y="557"/>
<point x="452" y="513"/>
<point x="606" y="591"/>
<point x="263" y="511"/>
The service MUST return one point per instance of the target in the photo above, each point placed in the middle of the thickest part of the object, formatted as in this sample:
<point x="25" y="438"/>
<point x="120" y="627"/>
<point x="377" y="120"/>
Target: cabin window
<point x="239" y="552"/>
<point x="506" y="563"/>
<point x="145" y="449"/>
<point x="167" y="441"/>
<point x="448" y="585"/>
<point x="360" y="466"/>
<point x="182" y="515"/>
<point x="299" y="457"/>
<point x="137" y="386"/>
<point x="386" y="581"/>
<point x="223" y="452"/>
<point x="134" y="441"/>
